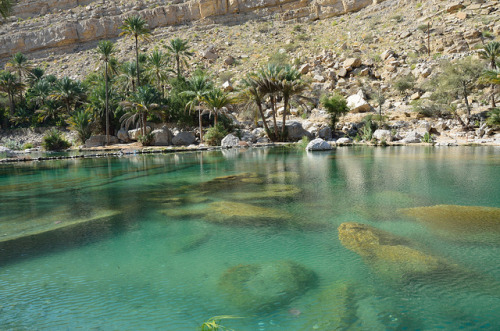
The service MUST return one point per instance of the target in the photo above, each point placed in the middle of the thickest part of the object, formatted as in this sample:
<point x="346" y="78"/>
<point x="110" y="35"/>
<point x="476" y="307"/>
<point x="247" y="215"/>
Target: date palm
<point x="10" y="84"/>
<point x="106" y="49"/>
<point x="268" y="79"/>
<point x="137" y="28"/>
<point x="490" y="52"/>
<point x="127" y="78"/>
<point x="69" y="92"/>
<point x="142" y="103"/>
<point x="40" y="92"/>
<point x="19" y="63"/>
<point x="180" y="51"/>
<point x="290" y="85"/>
<point x="252" y="93"/>
<point x="157" y="69"/>
<point x="36" y="74"/>
<point x="198" y="86"/>
<point x="217" y="99"/>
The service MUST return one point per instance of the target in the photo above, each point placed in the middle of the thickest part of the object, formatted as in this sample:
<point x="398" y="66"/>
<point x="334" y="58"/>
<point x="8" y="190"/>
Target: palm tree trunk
<point x="107" y="98"/>
<point x="201" y="128"/>
<point x="178" y="60"/>
<point x="285" y="108"/>
<point x="273" y="106"/>
<point x="259" y="105"/>
<point x="137" y="61"/>
<point x="464" y="85"/>
<point x="11" y="103"/>
<point x="215" y="117"/>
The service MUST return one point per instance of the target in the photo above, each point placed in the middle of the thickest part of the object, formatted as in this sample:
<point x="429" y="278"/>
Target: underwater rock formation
<point x="468" y="223"/>
<point x="388" y="254"/>
<point x="266" y="286"/>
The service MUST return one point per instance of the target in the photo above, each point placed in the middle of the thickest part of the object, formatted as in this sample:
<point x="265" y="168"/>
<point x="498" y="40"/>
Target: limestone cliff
<point x="42" y="25"/>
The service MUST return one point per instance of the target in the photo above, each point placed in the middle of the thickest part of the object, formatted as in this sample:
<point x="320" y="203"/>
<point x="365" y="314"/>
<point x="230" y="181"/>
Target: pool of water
<point x="149" y="241"/>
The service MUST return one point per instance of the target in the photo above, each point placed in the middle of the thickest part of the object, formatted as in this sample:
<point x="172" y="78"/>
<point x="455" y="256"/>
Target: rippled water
<point x="151" y="260"/>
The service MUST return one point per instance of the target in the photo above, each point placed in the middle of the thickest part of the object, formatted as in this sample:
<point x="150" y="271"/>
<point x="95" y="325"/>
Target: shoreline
<point x="119" y="150"/>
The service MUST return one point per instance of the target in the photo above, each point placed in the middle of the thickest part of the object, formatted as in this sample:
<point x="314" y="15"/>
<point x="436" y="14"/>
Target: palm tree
<point x="268" y="79"/>
<point x="179" y="49"/>
<point x="40" y="92"/>
<point x="128" y="76"/>
<point x="157" y="69"/>
<point x="106" y="49"/>
<point x="251" y="92"/>
<point x="198" y="86"/>
<point x="216" y="99"/>
<point x="5" y="8"/>
<point x="142" y="103"/>
<point x="10" y="84"/>
<point x="96" y="104"/>
<point x="136" y="27"/>
<point x="19" y="64"/>
<point x="69" y="91"/>
<point x="490" y="52"/>
<point x="81" y="121"/>
<point x="290" y="85"/>
<point x="36" y="75"/>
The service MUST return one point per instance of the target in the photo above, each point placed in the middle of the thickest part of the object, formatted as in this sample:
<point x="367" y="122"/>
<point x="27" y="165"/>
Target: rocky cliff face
<point x="44" y="25"/>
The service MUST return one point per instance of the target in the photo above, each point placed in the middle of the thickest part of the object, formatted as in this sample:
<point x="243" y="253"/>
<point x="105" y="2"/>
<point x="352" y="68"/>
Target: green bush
<point x="27" y="146"/>
<point x="147" y="139"/>
<point x="427" y="138"/>
<point x="336" y="106"/>
<point x="405" y="83"/>
<point x="214" y="135"/>
<point x="54" y="141"/>
<point x="493" y="117"/>
<point x="12" y="144"/>
<point x="81" y="123"/>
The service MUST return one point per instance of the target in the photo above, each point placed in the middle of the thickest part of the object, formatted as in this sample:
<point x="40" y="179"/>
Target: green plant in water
<point x="212" y="324"/>
<point x="54" y="141"/>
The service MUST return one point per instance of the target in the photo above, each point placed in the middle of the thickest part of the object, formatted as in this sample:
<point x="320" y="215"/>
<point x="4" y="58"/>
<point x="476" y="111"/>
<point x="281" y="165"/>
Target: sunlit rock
<point x="267" y="286"/>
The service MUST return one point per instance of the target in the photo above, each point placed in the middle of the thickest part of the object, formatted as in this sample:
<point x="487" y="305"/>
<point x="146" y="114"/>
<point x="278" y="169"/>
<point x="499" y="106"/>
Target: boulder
<point x="461" y="223"/>
<point x="412" y="138"/>
<point x="230" y="141"/>
<point x="184" y="138"/>
<point x="229" y="60"/>
<point x="122" y="135"/>
<point x="351" y="63"/>
<point x="6" y="150"/>
<point x="318" y="144"/>
<point x="357" y="103"/>
<point x="390" y="255"/>
<point x="343" y="141"/>
<point x="382" y="135"/>
<point x="267" y="286"/>
<point x="162" y="137"/>
<point x="304" y="69"/>
<point x="209" y="53"/>
<point x="325" y="133"/>
<point x="134" y="134"/>
<point x="100" y="140"/>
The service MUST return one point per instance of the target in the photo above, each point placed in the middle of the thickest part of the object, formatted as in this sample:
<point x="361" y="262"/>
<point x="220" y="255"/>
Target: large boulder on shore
<point x="100" y="140"/>
<point x="162" y="137"/>
<point x="122" y="135"/>
<point x="357" y="103"/>
<point x="266" y="286"/>
<point x="230" y="141"/>
<point x="135" y="133"/>
<point x="318" y="144"/>
<point x="184" y="138"/>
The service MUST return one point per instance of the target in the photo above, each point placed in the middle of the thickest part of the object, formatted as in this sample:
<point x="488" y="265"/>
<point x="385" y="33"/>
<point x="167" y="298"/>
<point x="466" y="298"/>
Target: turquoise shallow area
<point x="144" y="268"/>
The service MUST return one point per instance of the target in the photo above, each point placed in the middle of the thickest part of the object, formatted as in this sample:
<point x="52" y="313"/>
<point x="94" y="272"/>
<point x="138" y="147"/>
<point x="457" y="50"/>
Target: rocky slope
<point x="52" y="24"/>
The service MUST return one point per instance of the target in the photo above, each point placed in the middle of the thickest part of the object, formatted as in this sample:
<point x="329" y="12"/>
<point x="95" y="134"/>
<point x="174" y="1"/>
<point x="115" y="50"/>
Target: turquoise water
<point x="155" y="260"/>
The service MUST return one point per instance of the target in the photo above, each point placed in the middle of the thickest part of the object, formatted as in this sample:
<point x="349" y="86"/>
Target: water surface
<point x="153" y="258"/>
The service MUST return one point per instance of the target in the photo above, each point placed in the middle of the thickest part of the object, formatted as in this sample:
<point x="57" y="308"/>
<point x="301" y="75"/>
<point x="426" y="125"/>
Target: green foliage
<point x="147" y="139"/>
<point x="213" y="324"/>
<point x="302" y="144"/>
<point x="405" y="83"/>
<point x="336" y="106"/>
<point x="54" y="141"/>
<point x="27" y="146"/>
<point x="427" y="138"/>
<point x="367" y="130"/>
<point x="12" y="144"/>
<point x="279" y="59"/>
<point x="81" y="121"/>
<point x="215" y="134"/>
<point x="493" y="117"/>
<point x="428" y="108"/>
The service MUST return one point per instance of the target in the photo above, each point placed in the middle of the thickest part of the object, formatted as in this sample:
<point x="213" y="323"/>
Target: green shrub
<point x="302" y="144"/>
<point x="54" y="141"/>
<point x="493" y="117"/>
<point x="336" y="106"/>
<point x="12" y="144"/>
<point x="27" y="146"/>
<point x="214" y="135"/>
<point x="427" y="138"/>
<point x="147" y="139"/>
<point x="81" y="123"/>
<point x="405" y="83"/>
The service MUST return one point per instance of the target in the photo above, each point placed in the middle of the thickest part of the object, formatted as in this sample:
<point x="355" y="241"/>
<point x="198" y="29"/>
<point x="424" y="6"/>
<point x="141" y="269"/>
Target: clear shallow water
<point x="148" y="268"/>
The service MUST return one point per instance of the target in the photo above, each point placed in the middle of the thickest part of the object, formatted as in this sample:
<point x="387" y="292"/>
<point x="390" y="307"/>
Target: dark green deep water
<point x="145" y="268"/>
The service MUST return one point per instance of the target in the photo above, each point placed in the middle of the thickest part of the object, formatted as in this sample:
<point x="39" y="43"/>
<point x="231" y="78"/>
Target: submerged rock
<point x="267" y="286"/>
<point x="335" y="308"/>
<point x="390" y="255"/>
<point x="474" y="223"/>
<point x="228" y="212"/>
<point x="222" y="183"/>
<point x="191" y="242"/>
<point x="269" y="191"/>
